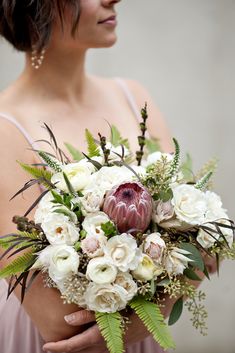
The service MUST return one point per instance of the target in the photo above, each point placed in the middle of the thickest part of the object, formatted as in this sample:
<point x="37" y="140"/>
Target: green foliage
<point x="210" y="166"/>
<point x="110" y="325"/>
<point x="109" y="229"/>
<point x="53" y="163"/>
<point x="174" y="168"/>
<point x="116" y="139"/>
<point x="189" y="273"/>
<point x="203" y="182"/>
<point x="37" y="173"/>
<point x="18" y="265"/>
<point x="75" y="153"/>
<point x="92" y="147"/>
<point x="152" y="318"/>
<point x="187" y="168"/>
<point x="69" y="185"/>
<point x="199" y="314"/>
<point x="152" y="145"/>
<point x="176" y="311"/>
<point x="194" y="255"/>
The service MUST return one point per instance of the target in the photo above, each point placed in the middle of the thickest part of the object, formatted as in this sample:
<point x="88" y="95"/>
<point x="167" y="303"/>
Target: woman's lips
<point x="110" y="21"/>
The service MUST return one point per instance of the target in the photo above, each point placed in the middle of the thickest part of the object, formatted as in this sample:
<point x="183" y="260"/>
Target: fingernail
<point x="69" y="318"/>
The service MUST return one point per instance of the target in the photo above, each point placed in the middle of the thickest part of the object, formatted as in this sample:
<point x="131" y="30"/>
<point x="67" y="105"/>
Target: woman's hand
<point x="91" y="338"/>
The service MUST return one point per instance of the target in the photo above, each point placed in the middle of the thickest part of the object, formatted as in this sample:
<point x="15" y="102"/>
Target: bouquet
<point x="115" y="234"/>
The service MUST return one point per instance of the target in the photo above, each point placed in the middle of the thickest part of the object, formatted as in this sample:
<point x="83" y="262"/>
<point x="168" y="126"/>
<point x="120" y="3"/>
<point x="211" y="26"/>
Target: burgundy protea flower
<point x="129" y="206"/>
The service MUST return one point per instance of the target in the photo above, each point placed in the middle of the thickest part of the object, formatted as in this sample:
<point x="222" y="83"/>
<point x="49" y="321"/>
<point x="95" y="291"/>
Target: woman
<point x="55" y="88"/>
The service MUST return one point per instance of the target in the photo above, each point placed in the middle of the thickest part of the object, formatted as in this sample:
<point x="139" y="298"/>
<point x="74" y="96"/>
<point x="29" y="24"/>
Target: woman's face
<point x="96" y="27"/>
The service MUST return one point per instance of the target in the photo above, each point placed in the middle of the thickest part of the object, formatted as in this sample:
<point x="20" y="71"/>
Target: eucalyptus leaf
<point x="176" y="312"/>
<point x="189" y="273"/>
<point x="194" y="255"/>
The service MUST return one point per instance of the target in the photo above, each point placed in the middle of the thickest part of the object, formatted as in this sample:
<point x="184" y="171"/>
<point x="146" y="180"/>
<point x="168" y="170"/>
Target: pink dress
<point x="17" y="332"/>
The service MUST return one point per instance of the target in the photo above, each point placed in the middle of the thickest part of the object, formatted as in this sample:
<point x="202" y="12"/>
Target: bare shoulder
<point x="156" y="122"/>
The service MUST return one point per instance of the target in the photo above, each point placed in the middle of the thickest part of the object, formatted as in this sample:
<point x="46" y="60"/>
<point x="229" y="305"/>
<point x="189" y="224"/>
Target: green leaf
<point x="152" y="145"/>
<point x="189" y="273"/>
<point x="37" y="172"/>
<point x="206" y="273"/>
<point x="69" y="185"/>
<point x="93" y="149"/>
<point x="110" y="325"/>
<point x="176" y="312"/>
<point x="187" y="168"/>
<point x="53" y="163"/>
<point x="166" y="195"/>
<point x="109" y="228"/>
<point x="195" y="255"/>
<point x="75" y="153"/>
<point x="116" y="138"/>
<point x="18" y="265"/>
<point x="151" y="316"/>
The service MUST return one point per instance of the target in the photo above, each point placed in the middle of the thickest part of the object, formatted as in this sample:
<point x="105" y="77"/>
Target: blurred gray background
<point x="183" y="51"/>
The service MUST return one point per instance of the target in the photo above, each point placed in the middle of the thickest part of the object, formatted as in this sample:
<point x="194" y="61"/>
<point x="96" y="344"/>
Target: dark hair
<point x="27" y="24"/>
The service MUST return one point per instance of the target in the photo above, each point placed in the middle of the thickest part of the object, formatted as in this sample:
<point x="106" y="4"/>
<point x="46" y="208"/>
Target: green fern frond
<point x="75" y="153"/>
<point x="6" y="243"/>
<point x="18" y="265"/>
<point x="110" y="325"/>
<point x="50" y="161"/>
<point x="153" y="145"/>
<point x="175" y="164"/>
<point x="116" y="138"/>
<point x="37" y="172"/>
<point x="152" y="318"/>
<point x="203" y="182"/>
<point x="93" y="149"/>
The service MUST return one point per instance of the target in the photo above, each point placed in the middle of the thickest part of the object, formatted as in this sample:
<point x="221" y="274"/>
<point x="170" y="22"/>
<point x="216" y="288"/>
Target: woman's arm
<point x="43" y="305"/>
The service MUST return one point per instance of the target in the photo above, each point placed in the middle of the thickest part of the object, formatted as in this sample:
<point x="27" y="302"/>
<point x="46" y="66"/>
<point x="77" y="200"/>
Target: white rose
<point x="100" y="270"/>
<point x="107" y="177"/>
<point x="176" y="261"/>
<point x="123" y="252"/>
<point x="60" y="261"/>
<point x="146" y="269"/>
<point x="79" y="175"/>
<point x="93" y="245"/>
<point x="91" y="201"/>
<point x="189" y="204"/>
<point x="105" y="298"/>
<point x="158" y="156"/>
<point x="44" y="207"/>
<point x="125" y="280"/>
<point x="154" y="246"/>
<point x="59" y="229"/>
<point x="214" y="206"/>
<point x="206" y="240"/>
<point x="92" y="223"/>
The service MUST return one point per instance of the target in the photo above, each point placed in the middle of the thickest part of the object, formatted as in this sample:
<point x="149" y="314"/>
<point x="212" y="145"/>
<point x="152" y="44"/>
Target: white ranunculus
<point x="107" y="177"/>
<point x="91" y="201"/>
<point x="93" y="221"/>
<point x="59" y="260"/>
<point x="205" y="239"/>
<point x="105" y="298"/>
<point x="59" y="229"/>
<point x="123" y="252"/>
<point x="100" y="270"/>
<point x="146" y="269"/>
<point x="125" y="280"/>
<point x="189" y="204"/>
<point x="154" y="246"/>
<point x="176" y="261"/>
<point x="93" y="245"/>
<point x="79" y="175"/>
<point x="44" y="207"/>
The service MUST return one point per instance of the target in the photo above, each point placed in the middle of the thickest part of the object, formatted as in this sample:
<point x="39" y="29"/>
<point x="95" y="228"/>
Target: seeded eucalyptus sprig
<point x="142" y="138"/>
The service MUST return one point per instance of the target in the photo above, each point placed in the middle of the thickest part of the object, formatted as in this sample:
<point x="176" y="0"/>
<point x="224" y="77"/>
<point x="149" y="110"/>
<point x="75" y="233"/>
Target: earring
<point x="37" y="58"/>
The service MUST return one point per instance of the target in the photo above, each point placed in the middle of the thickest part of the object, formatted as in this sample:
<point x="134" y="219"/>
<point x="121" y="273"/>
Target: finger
<point x="77" y="343"/>
<point x="80" y="317"/>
